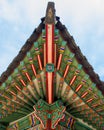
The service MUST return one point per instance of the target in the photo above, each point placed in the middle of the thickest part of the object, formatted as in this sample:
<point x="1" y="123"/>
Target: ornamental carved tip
<point x="50" y="13"/>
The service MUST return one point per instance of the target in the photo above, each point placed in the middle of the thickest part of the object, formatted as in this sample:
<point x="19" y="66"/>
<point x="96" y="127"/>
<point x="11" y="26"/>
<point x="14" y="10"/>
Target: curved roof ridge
<point x="25" y="48"/>
<point x="80" y="57"/>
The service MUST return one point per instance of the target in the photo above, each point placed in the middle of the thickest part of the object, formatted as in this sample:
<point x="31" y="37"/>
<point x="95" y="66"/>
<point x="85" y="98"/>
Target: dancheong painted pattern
<point x="50" y="84"/>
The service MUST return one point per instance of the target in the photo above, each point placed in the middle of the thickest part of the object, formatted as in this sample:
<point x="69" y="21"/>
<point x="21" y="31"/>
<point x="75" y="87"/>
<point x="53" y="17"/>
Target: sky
<point x="84" y="20"/>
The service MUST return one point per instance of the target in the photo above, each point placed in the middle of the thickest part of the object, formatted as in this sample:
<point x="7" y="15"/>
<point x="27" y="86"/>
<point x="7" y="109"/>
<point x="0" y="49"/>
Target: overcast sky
<point x="83" y="18"/>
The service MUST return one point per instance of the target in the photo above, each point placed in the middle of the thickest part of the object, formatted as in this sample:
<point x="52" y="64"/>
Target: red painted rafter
<point x="28" y="77"/>
<point x="39" y="62"/>
<point x="66" y="71"/>
<point x="23" y="83"/>
<point x="78" y="88"/>
<point x="33" y="69"/>
<point x="44" y="54"/>
<point x="59" y="61"/>
<point x="73" y="79"/>
<point x="83" y="95"/>
<point x="17" y="87"/>
<point x="89" y="100"/>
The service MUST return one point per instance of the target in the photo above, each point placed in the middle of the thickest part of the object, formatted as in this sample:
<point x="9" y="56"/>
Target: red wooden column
<point x="49" y="51"/>
<point x="49" y="61"/>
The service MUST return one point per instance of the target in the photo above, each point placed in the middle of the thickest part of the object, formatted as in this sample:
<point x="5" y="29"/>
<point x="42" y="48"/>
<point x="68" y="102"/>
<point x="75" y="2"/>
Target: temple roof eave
<point x="80" y="57"/>
<point x="22" y="53"/>
<point x="71" y="44"/>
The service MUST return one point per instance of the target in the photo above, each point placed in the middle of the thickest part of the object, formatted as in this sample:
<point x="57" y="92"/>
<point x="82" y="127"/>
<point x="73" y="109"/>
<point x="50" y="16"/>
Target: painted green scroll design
<point x="45" y="111"/>
<point x="68" y="121"/>
<point x="57" y="109"/>
<point x="41" y="112"/>
<point x="24" y="123"/>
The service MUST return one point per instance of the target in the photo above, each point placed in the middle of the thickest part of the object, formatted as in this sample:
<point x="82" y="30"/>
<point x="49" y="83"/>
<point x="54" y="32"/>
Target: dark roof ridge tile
<point x="80" y="57"/>
<point x="25" y="48"/>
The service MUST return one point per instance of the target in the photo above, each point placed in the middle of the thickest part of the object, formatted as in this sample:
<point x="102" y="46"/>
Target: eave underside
<point x="78" y="87"/>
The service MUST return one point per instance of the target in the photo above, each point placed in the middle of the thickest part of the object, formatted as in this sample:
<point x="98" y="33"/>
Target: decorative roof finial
<point x="50" y="13"/>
